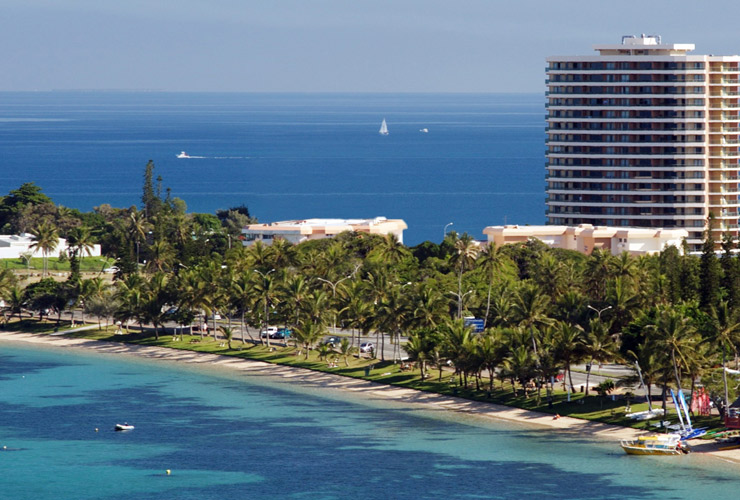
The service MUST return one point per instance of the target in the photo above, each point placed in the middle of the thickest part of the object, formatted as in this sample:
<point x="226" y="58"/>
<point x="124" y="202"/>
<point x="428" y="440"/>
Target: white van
<point x="270" y="331"/>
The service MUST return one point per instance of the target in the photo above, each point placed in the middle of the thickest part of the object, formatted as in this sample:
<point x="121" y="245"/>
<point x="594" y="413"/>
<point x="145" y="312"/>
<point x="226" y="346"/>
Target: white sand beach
<point x="369" y="390"/>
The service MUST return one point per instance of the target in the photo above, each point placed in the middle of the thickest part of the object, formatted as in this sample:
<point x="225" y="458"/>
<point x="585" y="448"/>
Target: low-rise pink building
<point x="297" y="231"/>
<point x="585" y="237"/>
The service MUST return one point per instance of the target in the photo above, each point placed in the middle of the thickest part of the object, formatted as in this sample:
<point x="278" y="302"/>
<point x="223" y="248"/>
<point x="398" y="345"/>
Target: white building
<point x="644" y="134"/>
<point x="297" y="231"/>
<point x="585" y="237"/>
<point x="14" y="246"/>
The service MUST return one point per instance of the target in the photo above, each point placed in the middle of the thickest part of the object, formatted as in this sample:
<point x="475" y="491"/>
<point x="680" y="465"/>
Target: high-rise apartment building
<point x="644" y="135"/>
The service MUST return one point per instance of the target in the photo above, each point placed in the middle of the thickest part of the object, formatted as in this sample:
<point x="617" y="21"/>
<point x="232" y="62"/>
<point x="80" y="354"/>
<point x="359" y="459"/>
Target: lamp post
<point x="264" y="289"/>
<point x="334" y="286"/>
<point x="444" y="233"/>
<point x="599" y="311"/>
<point x="459" y="301"/>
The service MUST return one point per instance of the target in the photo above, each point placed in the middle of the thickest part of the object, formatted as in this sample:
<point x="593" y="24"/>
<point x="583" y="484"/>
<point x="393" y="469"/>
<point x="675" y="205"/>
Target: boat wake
<point x="184" y="156"/>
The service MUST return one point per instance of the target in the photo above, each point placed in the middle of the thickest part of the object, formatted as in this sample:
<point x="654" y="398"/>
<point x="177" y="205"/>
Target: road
<point x="392" y="351"/>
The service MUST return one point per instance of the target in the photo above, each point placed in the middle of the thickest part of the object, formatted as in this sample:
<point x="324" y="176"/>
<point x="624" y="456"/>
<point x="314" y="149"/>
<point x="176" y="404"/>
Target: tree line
<point x="543" y="309"/>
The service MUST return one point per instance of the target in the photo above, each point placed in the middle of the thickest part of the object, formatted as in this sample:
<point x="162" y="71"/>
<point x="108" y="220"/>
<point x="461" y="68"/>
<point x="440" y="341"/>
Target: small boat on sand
<point x="124" y="427"/>
<point x="183" y="154"/>
<point x="654" y="444"/>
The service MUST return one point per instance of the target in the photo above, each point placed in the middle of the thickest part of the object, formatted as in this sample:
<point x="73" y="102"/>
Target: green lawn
<point x="87" y="264"/>
<point x="593" y="407"/>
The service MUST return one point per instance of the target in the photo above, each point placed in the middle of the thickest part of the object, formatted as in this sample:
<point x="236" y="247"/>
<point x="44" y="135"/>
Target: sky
<point x="330" y="45"/>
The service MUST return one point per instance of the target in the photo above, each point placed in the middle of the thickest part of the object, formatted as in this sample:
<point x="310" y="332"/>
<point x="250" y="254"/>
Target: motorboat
<point x="183" y="154"/>
<point x="124" y="427"/>
<point x="424" y="130"/>
<point x="655" y="444"/>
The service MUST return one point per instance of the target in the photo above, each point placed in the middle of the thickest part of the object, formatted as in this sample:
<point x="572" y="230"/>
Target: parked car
<point x="367" y="347"/>
<point x="111" y="270"/>
<point x="333" y="341"/>
<point x="270" y="331"/>
<point x="282" y="333"/>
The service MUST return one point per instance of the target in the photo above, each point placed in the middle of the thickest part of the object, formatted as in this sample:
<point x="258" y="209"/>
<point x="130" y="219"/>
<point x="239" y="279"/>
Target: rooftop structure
<point x="585" y="237"/>
<point x="644" y="134"/>
<point x="297" y="231"/>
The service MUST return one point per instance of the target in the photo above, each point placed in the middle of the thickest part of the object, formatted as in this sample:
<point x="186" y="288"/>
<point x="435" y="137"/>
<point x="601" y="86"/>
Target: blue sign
<point x="476" y="323"/>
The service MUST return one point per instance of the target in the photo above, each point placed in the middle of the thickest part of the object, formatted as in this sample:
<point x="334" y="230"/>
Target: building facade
<point x="644" y="134"/>
<point x="586" y="238"/>
<point x="297" y="231"/>
<point x="16" y="246"/>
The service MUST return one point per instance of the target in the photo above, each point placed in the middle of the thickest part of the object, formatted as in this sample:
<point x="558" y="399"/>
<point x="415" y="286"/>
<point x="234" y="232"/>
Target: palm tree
<point x="502" y="307"/>
<point x="600" y="346"/>
<point x="228" y="334"/>
<point x="428" y="308"/>
<point x="243" y="299"/>
<point x="490" y="350"/>
<point x="489" y="261"/>
<point x="598" y="271"/>
<point x="15" y="300"/>
<point x="531" y="307"/>
<point x="725" y="331"/>
<point x="569" y="346"/>
<point x="161" y="256"/>
<point x="154" y="299"/>
<point x="458" y="345"/>
<point x="91" y="288"/>
<point x="418" y="350"/>
<point x="466" y="251"/>
<point x="307" y="334"/>
<point x="267" y="289"/>
<point x="346" y="349"/>
<point x="137" y="228"/>
<point x="676" y="335"/>
<point x="356" y="311"/>
<point x="79" y="242"/>
<point x="390" y="250"/>
<point x="46" y="239"/>
<point x="130" y="296"/>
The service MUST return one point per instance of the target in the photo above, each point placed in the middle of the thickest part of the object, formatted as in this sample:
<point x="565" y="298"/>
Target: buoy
<point x="96" y="429"/>
<point x="5" y="447"/>
<point x="168" y="472"/>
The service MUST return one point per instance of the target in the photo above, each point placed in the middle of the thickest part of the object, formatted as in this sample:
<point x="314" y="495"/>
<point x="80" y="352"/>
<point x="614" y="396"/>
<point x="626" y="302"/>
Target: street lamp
<point x="599" y="311"/>
<point x="264" y="289"/>
<point x="460" y="301"/>
<point x="444" y="234"/>
<point x="334" y="286"/>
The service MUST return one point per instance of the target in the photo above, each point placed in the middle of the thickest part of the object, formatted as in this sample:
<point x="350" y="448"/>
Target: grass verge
<point x="593" y="407"/>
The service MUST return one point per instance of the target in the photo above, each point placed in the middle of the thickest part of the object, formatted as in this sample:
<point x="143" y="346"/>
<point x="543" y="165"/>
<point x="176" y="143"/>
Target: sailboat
<point x="383" y="128"/>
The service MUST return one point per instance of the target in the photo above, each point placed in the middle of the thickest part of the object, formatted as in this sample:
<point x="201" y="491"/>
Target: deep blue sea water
<point x="288" y="155"/>
<point x="238" y="436"/>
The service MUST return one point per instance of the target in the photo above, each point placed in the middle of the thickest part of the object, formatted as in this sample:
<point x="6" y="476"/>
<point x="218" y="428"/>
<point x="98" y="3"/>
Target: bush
<point x="606" y="387"/>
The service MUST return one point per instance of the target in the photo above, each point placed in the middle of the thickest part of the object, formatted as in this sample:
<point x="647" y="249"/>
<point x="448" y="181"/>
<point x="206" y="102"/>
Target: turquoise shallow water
<point x="226" y="436"/>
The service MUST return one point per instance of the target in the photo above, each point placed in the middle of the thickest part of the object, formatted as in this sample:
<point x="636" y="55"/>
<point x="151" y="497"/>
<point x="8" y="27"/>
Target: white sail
<point x="383" y="128"/>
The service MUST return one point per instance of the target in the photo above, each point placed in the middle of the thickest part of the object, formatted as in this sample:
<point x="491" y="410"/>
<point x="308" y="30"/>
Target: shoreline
<point x="318" y="380"/>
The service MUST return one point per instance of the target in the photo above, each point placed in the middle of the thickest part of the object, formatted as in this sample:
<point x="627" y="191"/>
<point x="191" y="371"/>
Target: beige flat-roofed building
<point x="297" y="231"/>
<point x="585" y="237"/>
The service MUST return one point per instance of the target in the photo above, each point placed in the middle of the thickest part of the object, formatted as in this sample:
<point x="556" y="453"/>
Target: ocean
<point x="288" y="156"/>
<point x="238" y="436"/>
